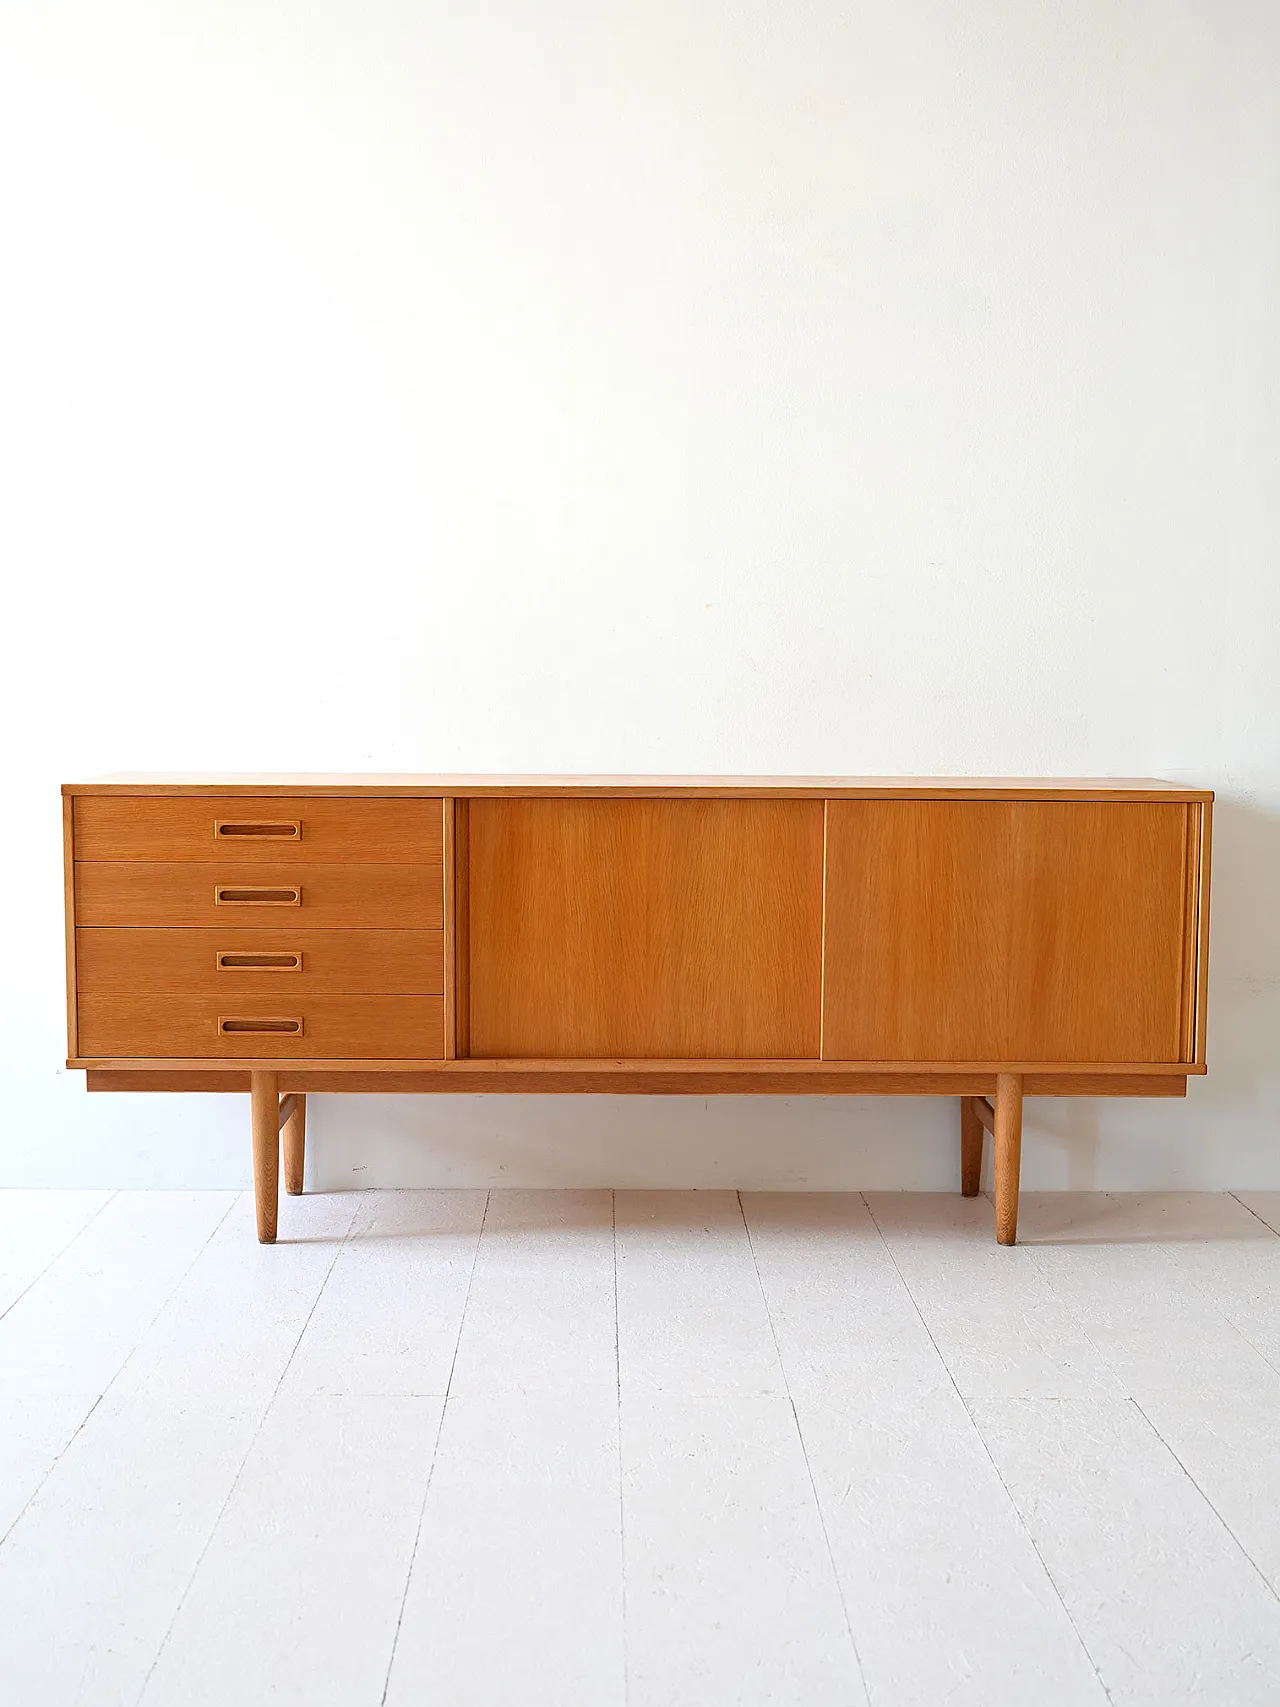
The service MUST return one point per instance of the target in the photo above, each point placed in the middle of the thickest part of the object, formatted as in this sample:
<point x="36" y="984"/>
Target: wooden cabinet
<point x="987" y="940"/>
<point x="217" y="927"/>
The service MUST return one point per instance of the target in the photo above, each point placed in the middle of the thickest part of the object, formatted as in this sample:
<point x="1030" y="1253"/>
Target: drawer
<point x="352" y="1028"/>
<point x="280" y="896"/>
<point x="253" y="829"/>
<point x="236" y="965"/>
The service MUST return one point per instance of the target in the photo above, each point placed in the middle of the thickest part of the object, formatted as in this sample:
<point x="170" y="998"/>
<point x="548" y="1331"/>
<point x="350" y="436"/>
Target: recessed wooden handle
<point x="288" y="830"/>
<point x="232" y="1027"/>
<point x="231" y="961"/>
<point x="257" y="895"/>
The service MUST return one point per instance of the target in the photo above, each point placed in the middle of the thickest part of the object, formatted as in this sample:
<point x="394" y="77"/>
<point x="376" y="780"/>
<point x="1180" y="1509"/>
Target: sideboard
<point x="987" y="940"/>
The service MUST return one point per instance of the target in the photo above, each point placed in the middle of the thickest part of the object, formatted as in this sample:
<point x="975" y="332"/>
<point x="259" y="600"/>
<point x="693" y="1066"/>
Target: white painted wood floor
<point x="659" y="1449"/>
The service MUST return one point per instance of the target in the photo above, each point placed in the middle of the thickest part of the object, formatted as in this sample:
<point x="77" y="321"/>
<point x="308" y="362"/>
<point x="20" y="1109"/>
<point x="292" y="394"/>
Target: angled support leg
<point x="293" y="1140"/>
<point x="1008" y="1148"/>
<point x="970" y="1147"/>
<point x="264" y="1096"/>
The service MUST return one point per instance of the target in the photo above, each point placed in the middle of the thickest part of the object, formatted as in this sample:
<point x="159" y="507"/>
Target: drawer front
<point x="331" y="1028"/>
<point x="226" y="895"/>
<point x="238" y="965"/>
<point x="258" y="829"/>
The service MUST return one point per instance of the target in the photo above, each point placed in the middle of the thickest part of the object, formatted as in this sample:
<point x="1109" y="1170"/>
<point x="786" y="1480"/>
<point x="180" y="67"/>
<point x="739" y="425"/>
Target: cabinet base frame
<point x="990" y="1101"/>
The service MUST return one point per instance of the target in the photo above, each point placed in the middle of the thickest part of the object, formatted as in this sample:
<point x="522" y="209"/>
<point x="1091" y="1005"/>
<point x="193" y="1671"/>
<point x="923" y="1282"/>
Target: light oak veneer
<point x="1004" y="930"/>
<point x="990" y="940"/>
<point x="645" y="928"/>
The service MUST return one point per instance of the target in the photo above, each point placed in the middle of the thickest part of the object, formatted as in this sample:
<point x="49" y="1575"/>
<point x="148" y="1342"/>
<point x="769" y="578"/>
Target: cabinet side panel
<point x="450" y="935"/>
<point x="645" y="928"/>
<point x="1190" y="933"/>
<point x="1004" y="930"/>
<point x="69" y="907"/>
<point x="462" y="928"/>
<point x="1202" y="933"/>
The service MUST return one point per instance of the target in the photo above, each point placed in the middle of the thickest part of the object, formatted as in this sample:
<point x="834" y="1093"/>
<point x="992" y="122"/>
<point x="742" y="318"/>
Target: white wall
<point x="544" y="385"/>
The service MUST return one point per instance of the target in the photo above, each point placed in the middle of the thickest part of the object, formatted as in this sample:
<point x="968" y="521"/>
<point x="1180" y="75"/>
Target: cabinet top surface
<point x="675" y="787"/>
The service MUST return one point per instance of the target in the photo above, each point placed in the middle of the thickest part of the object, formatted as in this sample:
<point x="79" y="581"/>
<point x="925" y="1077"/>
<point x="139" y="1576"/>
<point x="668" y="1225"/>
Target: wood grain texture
<point x="152" y="827"/>
<point x="970" y="1148"/>
<point x="453" y="1077"/>
<point x="1202" y="933"/>
<point x="645" y="928"/>
<point x="1007" y="1141"/>
<point x="449" y="936"/>
<point x="148" y="1024"/>
<point x="69" y="919"/>
<point x="1190" y="931"/>
<point x="822" y="952"/>
<point x="1035" y="932"/>
<point x="481" y="787"/>
<point x="185" y="962"/>
<point x="265" y="1129"/>
<point x="293" y="1145"/>
<point x="181" y="893"/>
<point x="462" y="929"/>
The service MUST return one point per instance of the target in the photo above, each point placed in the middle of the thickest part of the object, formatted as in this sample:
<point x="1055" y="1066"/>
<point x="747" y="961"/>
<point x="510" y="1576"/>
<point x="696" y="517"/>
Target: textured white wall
<point x="543" y="385"/>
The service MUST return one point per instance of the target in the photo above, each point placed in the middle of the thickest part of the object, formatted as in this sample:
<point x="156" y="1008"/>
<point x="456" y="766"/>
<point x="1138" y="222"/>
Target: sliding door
<point x="1011" y="930"/>
<point x="644" y="928"/>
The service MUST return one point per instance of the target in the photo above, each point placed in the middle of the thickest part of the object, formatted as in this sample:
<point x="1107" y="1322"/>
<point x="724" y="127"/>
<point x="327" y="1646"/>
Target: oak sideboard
<point x="987" y="940"/>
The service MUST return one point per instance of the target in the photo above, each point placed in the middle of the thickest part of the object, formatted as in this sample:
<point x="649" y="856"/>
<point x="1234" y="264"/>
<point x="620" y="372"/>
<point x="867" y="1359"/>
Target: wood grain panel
<point x="69" y="920"/>
<point x="180" y="893"/>
<point x="1022" y="932"/>
<point x="619" y="786"/>
<point x="795" y="1079"/>
<point x="1191" y="930"/>
<point x="187" y="962"/>
<point x="152" y="827"/>
<point x="1202" y="928"/>
<point x="461" y="929"/>
<point x="358" y="1027"/>
<point x="449" y="938"/>
<point x="645" y="928"/>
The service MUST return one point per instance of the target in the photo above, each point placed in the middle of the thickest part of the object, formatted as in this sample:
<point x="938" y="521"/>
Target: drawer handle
<point x="256" y="896"/>
<point x="229" y="961"/>
<point x="236" y="1027"/>
<point x="289" y="831"/>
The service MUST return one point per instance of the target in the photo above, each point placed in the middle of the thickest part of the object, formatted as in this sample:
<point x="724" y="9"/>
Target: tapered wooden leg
<point x="1008" y="1149"/>
<point x="293" y="1140"/>
<point x="264" y="1094"/>
<point x="970" y="1147"/>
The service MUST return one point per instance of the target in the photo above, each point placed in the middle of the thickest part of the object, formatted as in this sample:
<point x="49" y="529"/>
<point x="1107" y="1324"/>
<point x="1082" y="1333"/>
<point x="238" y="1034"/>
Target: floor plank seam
<point x="128" y="1357"/>
<point x="804" y="1452"/>
<point x="622" y="1501"/>
<point x="60" y="1252"/>
<point x="1134" y="1439"/>
<point x="253" y="1441"/>
<point x="1013" y="1504"/>
<point x="435" y="1450"/>
<point x="1262" y="1576"/>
